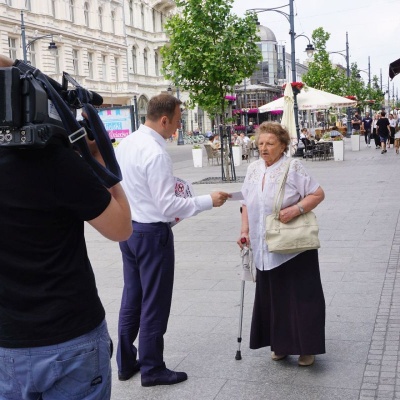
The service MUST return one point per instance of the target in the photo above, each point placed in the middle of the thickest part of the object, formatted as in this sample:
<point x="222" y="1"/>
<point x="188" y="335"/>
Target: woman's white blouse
<point x="259" y="203"/>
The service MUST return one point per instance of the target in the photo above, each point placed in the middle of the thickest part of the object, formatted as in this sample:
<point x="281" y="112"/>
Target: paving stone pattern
<point x="359" y="258"/>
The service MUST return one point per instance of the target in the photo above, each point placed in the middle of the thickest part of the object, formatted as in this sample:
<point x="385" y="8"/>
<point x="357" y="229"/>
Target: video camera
<point x="28" y="117"/>
<point x="34" y="109"/>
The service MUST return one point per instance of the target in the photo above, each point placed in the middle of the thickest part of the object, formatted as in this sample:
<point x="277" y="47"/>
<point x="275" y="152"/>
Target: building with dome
<point x="265" y="84"/>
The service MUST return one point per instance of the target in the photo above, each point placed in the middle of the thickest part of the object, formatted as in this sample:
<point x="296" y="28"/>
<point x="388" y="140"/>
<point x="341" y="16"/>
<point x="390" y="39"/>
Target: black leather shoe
<point x="125" y="377"/>
<point x="164" y="377"/>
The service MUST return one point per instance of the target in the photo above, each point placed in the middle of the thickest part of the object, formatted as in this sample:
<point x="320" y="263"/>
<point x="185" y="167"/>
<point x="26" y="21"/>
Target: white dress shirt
<point x="148" y="180"/>
<point x="259" y="203"/>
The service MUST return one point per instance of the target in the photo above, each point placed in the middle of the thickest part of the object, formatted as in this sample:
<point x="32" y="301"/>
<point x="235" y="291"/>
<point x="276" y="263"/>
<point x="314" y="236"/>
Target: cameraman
<point x="54" y="342"/>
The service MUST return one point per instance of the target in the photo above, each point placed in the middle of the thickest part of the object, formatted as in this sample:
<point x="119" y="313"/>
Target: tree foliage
<point x="209" y="51"/>
<point x="325" y="76"/>
<point x="321" y="73"/>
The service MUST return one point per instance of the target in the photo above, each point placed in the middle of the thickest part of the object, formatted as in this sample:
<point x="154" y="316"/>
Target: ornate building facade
<point x="113" y="47"/>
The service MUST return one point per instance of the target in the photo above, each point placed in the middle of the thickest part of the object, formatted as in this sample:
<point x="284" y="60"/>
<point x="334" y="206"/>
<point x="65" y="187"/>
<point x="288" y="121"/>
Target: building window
<point x="142" y="15"/>
<point x="71" y="10"/>
<point x="154" y="19"/>
<point x="28" y="5"/>
<point x="86" y="13"/>
<point x="9" y="3"/>
<point x="32" y="54"/>
<point x="100" y="18"/>
<point x="113" y="21"/>
<point x="134" y="60"/>
<point x="104" y="68"/>
<point x="75" y="61"/>
<point x="116" y="61"/>
<point x="90" y="65"/>
<point x="145" y="62"/>
<point x="53" y="8"/>
<point x="156" y="64"/>
<point x="12" y="48"/>
<point x="131" y="12"/>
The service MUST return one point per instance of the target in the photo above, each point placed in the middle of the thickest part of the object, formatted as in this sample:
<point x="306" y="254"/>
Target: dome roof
<point x="266" y="34"/>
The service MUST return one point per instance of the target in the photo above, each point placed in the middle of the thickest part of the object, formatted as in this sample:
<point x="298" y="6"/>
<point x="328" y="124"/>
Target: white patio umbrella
<point x="311" y="99"/>
<point x="288" y="120"/>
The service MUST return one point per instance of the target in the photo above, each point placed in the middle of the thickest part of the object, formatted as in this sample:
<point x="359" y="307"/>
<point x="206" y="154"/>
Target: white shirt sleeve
<point x="162" y="188"/>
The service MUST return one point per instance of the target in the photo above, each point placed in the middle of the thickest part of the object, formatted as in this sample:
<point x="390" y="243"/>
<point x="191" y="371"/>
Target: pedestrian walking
<point x="366" y="126"/>
<point x="375" y="133"/>
<point x="148" y="255"/>
<point x="393" y="125"/>
<point x="289" y="305"/>
<point x="356" y="123"/>
<point x="383" y="129"/>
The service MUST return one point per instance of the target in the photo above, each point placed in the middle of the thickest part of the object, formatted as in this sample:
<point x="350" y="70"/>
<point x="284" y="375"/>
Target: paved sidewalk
<point x="359" y="258"/>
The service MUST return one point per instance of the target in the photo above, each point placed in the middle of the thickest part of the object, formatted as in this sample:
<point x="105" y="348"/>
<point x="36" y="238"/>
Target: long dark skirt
<point x="289" y="308"/>
<point x="392" y="133"/>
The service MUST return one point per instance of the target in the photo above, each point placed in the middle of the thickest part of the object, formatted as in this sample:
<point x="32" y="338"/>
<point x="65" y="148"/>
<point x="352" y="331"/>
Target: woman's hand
<point x="243" y="236"/>
<point x="288" y="213"/>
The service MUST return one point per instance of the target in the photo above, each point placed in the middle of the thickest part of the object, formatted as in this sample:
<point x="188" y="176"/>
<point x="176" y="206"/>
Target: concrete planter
<point x="197" y="158"/>
<point x="338" y="150"/>
<point x="237" y="155"/>
<point x="355" y="142"/>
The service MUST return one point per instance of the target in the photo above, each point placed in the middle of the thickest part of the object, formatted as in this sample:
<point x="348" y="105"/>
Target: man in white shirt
<point x="148" y="255"/>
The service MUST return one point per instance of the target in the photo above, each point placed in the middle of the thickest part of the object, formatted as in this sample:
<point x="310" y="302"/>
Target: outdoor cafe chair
<point x="212" y="154"/>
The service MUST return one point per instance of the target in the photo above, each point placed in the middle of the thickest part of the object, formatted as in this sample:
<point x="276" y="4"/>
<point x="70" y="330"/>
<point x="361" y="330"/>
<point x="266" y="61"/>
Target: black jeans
<point x="367" y="135"/>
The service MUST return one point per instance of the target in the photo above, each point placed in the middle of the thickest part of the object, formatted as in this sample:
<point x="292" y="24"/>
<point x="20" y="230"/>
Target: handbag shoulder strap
<point x="281" y="191"/>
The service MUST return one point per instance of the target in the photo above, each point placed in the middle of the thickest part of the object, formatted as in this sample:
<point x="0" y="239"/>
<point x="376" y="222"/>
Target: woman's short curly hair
<point x="276" y="129"/>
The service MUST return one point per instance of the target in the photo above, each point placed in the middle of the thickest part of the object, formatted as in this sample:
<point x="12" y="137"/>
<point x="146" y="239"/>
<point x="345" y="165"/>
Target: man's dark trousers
<point x="148" y="261"/>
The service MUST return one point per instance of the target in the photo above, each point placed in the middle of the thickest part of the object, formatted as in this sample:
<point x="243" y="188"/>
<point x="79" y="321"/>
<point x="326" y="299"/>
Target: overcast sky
<point x="373" y="28"/>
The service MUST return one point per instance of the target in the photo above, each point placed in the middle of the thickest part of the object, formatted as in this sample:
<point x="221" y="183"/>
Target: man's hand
<point x="219" y="198"/>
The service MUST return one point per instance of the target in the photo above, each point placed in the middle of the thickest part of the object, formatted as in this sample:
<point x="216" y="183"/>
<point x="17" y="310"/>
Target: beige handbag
<point x="300" y="234"/>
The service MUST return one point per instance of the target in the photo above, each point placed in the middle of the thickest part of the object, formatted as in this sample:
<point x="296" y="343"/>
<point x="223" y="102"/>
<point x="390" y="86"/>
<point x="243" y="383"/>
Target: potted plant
<point x="338" y="148"/>
<point x="355" y="141"/>
<point x="296" y="87"/>
<point x="197" y="153"/>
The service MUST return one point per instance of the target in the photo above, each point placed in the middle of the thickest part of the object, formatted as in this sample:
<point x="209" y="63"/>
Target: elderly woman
<point x="289" y="306"/>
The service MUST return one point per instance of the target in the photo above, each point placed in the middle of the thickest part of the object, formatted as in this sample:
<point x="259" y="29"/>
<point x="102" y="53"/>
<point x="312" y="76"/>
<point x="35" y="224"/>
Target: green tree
<point x="210" y="50"/>
<point x="321" y="73"/>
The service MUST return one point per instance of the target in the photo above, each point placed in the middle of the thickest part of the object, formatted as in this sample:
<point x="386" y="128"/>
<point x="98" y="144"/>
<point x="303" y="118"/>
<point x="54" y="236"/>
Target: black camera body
<point x="27" y="116"/>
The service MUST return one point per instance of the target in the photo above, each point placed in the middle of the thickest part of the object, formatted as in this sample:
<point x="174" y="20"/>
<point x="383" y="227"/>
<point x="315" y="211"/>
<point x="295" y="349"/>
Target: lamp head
<point x="52" y="48"/>
<point x="310" y="50"/>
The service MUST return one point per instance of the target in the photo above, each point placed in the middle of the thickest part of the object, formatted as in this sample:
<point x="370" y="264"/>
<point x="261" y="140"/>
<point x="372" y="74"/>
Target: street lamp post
<point x="348" y="79"/>
<point x="52" y="46"/>
<point x="369" y="79"/>
<point x="290" y="18"/>
<point x="180" y="135"/>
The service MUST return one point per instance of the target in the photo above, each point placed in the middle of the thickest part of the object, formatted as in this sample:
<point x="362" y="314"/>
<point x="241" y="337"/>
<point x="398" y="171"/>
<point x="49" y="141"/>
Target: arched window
<point x="100" y="18"/>
<point x="134" y="60"/>
<point x="86" y="13"/>
<point x="142" y="15"/>
<point x="156" y="64"/>
<point x="90" y="65"/>
<point x="131" y="12"/>
<point x="75" y="61"/>
<point x="71" y="10"/>
<point x="145" y="62"/>
<point x="113" y="21"/>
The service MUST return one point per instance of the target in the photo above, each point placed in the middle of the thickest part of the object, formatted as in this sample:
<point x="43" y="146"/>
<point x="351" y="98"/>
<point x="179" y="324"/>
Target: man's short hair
<point x="160" y="105"/>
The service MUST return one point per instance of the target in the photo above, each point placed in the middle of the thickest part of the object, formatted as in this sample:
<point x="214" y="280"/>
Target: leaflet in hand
<point x="182" y="189"/>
